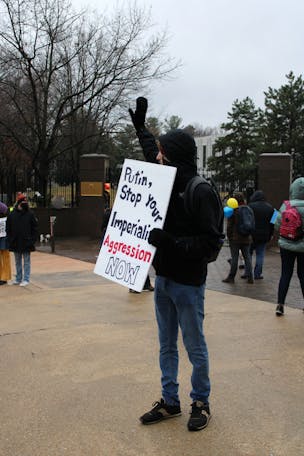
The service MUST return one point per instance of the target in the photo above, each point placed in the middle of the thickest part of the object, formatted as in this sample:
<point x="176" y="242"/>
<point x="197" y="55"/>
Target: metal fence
<point x="25" y="181"/>
<point x="65" y="186"/>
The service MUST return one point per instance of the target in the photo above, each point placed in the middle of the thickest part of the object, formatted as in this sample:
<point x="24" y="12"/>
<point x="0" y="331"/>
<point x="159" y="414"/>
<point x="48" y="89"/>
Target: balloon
<point x="228" y="211"/>
<point x="232" y="202"/>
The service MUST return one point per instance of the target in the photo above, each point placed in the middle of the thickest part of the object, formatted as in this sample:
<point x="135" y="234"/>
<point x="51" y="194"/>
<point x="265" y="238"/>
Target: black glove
<point x="139" y="116"/>
<point x="159" y="238"/>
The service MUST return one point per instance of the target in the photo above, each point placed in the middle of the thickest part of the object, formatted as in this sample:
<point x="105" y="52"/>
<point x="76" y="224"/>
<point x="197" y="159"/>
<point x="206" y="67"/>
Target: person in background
<point x="104" y="224"/>
<point x="22" y="233"/>
<point x="263" y="232"/>
<point x="238" y="242"/>
<point x="183" y="248"/>
<point x="5" y="259"/>
<point x="291" y="250"/>
<point x="147" y="286"/>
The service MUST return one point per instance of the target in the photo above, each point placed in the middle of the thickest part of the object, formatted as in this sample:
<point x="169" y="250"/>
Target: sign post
<point x="140" y="205"/>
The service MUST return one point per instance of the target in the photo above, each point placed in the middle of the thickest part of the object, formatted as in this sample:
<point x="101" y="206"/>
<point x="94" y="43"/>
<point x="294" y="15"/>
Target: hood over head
<point x="258" y="195"/>
<point x="297" y="189"/>
<point x="180" y="148"/>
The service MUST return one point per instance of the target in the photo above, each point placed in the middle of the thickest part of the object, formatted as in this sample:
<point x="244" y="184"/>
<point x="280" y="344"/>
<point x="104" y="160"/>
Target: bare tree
<point x="55" y="64"/>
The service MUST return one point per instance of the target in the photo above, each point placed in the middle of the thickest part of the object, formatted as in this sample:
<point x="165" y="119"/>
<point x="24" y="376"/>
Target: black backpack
<point x="246" y="222"/>
<point x="189" y="208"/>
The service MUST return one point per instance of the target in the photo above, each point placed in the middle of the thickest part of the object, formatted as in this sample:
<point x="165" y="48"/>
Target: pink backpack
<point x="291" y="224"/>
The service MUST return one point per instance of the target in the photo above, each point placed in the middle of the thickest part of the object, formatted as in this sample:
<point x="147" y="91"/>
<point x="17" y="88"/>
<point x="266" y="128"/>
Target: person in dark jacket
<point x="183" y="247"/>
<point x="22" y="233"/>
<point x="238" y="242"/>
<point x="263" y="212"/>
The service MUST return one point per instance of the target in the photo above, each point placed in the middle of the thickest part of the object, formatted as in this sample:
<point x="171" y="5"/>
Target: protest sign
<point x="3" y="226"/>
<point x="140" y="205"/>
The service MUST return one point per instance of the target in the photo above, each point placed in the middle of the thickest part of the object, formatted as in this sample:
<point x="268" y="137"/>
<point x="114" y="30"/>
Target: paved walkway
<point x="79" y="365"/>
<point x="266" y="290"/>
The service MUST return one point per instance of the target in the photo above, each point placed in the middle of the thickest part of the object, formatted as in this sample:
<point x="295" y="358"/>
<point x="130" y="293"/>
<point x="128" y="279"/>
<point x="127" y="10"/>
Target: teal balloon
<point x="228" y="211"/>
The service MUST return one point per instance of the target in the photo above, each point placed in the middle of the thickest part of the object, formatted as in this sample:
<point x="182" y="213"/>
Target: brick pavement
<point x="266" y="290"/>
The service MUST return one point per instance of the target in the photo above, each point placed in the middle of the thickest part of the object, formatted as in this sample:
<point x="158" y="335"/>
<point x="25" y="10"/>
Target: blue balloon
<point x="228" y="211"/>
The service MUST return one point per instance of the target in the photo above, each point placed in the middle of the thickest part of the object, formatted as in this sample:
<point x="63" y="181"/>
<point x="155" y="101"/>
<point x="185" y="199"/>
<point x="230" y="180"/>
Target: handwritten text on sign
<point x="140" y="205"/>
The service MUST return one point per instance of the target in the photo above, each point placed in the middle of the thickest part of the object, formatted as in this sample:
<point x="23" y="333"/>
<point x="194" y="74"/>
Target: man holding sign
<point x="184" y="246"/>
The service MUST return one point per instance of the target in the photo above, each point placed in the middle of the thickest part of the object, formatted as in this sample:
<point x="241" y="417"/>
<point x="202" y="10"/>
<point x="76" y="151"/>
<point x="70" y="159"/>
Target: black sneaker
<point x="200" y="416"/>
<point x="228" y="280"/>
<point x="160" y="411"/>
<point x="280" y="310"/>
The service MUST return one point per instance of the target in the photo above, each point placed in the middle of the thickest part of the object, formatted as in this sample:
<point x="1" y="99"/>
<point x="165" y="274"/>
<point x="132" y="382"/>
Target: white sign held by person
<point x="140" y="205"/>
<point x="3" y="226"/>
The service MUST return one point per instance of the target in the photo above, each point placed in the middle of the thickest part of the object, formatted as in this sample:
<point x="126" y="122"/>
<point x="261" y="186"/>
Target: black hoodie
<point x="184" y="260"/>
<point x="262" y="213"/>
<point x="22" y="230"/>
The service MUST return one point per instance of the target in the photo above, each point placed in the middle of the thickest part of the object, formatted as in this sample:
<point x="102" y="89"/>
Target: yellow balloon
<point x="232" y="202"/>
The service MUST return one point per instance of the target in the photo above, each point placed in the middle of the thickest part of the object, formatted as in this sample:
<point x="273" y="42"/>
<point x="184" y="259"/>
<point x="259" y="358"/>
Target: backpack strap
<point x="189" y="192"/>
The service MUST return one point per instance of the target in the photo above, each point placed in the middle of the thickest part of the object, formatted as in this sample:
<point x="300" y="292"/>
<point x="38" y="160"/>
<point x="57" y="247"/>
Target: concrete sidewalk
<point x="82" y="248"/>
<point x="79" y="365"/>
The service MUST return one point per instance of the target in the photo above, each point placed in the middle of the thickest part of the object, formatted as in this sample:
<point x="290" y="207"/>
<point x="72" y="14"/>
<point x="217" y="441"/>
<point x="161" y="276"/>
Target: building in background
<point x="204" y="146"/>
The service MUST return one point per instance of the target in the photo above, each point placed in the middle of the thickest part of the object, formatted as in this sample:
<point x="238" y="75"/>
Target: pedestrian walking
<point x="184" y="246"/>
<point x="291" y="241"/>
<point x="263" y="232"/>
<point x="22" y="232"/>
<point x="5" y="259"/>
<point x="238" y="242"/>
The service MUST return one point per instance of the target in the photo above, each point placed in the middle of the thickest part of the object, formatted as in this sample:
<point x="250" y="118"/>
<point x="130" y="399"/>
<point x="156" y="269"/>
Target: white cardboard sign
<point x="3" y="226"/>
<point x="140" y="205"/>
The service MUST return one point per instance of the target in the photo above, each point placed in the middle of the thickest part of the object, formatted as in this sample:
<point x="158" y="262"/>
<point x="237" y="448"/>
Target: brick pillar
<point x="94" y="171"/>
<point x="274" y="177"/>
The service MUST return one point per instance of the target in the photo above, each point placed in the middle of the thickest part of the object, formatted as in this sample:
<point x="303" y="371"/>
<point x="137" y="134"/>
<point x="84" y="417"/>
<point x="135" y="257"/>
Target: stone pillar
<point x="274" y="177"/>
<point x="94" y="172"/>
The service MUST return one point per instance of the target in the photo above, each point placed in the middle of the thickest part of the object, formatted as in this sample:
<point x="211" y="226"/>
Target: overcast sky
<point x="229" y="50"/>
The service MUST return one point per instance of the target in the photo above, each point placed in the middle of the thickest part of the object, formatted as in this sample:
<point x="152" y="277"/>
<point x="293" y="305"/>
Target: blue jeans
<point x="181" y="305"/>
<point x="26" y="266"/>
<point x="259" y="257"/>
<point x="288" y="259"/>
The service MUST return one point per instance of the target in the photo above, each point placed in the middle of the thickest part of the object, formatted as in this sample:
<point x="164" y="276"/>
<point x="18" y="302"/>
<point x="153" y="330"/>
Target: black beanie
<point x="179" y="147"/>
